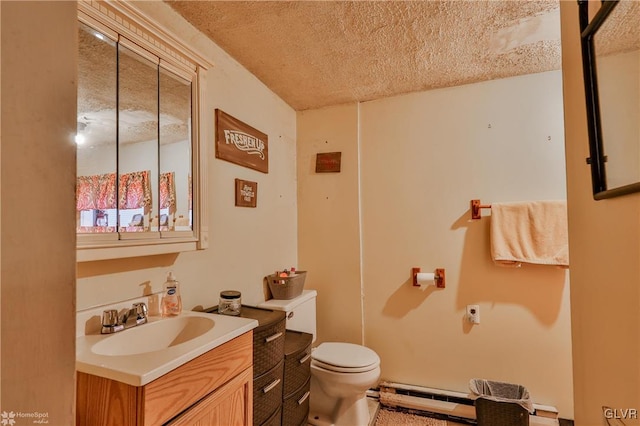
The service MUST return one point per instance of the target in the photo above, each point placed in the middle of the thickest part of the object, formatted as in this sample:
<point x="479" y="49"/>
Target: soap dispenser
<point x="171" y="300"/>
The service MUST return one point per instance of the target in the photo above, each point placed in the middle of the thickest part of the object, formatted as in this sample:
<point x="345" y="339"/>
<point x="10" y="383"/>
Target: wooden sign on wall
<point x="240" y="143"/>
<point x="328" y="162"/>
<point x="246" y="193"/>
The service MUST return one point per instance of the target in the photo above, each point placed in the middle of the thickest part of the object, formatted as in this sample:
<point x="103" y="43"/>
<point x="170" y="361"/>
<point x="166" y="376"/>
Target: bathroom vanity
<point x="203" y="374"/>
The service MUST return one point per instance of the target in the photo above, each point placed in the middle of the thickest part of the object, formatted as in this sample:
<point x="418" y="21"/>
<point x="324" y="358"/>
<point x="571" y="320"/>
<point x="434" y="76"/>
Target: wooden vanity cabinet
<point x="213" y="389"/>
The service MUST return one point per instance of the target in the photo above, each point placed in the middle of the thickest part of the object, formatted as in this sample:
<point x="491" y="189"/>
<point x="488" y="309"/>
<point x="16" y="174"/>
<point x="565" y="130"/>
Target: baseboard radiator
<point x="448" y="405"/>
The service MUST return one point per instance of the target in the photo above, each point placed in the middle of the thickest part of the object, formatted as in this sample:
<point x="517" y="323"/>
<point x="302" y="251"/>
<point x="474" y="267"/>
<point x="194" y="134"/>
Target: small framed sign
<point x="246" y="193"/>
<point x="240" y="143"/>
<point x="328" y="162"/>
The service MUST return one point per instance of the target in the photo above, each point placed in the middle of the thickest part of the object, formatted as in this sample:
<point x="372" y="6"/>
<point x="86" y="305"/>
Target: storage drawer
<point x="268" y="337"/>
<point x="295" y="408"/>
<point x="267" y="394"/>
<point x="275" y="419"/>
<point x="268" y="346"/>
<point x="297" y="361"/>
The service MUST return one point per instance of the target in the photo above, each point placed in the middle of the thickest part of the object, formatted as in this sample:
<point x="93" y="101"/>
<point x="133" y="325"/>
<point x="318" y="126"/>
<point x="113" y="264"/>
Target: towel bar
<point x="475" y="209"/>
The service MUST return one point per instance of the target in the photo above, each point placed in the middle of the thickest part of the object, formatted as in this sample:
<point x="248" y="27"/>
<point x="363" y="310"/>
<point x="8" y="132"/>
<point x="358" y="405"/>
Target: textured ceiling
<point x="619" y="32"/>
<point x="320" y="53"/>
<point x="102" y="73"/>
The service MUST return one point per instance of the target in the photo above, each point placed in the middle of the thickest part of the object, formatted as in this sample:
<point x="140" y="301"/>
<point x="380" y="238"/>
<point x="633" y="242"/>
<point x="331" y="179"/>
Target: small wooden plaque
<point x="328" y="162"/>
<point x="246" y="193"/>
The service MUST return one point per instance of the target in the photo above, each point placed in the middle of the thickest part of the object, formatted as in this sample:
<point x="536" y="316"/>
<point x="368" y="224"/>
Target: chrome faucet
<point x="112" y="321"/>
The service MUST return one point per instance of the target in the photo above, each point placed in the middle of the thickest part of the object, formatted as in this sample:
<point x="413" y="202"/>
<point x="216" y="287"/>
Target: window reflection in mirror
<point x="175" y="153"/>
<point x="96" y="134"/>
<point x="137" y="140"/>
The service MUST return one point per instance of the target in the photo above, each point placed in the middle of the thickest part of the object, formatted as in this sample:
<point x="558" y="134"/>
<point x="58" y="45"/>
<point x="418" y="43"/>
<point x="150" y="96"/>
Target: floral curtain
<point x="135" y="191"/>
<point x="168" y="192"/>
<point x="96" y="192"/>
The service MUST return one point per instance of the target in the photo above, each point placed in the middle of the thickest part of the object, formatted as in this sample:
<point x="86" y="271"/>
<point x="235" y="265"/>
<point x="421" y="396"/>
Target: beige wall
<point x="38" y="181"/>
<point x="421" y="159"/>
<point x="605" y="259"/>
<point x="329" y="221"/>
<point x="246" y="244"/>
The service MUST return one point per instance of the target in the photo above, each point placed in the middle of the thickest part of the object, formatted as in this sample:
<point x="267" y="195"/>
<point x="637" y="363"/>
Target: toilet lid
<point x="345" y="356"/>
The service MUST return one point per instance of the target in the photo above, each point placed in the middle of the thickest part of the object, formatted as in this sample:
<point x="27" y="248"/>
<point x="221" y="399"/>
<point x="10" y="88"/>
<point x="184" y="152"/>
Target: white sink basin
<point x="154" y="336"/>
<point x="143" y="353"/>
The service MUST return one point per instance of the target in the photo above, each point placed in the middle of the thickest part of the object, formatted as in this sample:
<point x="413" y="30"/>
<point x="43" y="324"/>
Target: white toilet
<point x="341" y="373"/>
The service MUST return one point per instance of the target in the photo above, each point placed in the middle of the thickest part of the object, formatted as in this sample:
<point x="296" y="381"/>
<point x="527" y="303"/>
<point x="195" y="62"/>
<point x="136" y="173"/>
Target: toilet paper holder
<point x="438" y="277"/>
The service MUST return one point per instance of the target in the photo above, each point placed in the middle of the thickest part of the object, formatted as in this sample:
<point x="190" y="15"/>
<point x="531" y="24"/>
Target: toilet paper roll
<point x="426" y="278"/>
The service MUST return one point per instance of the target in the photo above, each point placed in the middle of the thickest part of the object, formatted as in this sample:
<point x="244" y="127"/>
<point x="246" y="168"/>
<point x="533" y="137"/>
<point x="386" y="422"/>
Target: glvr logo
<point x="620" y="413"/>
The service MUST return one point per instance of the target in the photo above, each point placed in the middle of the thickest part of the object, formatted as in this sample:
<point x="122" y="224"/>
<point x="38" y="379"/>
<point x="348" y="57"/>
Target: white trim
<point x="98" y="26"/>
<point x="545" y="415"/>
<point x="199" y="162"/>
<point x="360" y="231"/>
<point x="188" y="75"/>
<point x="132" y="46"/>
<point x="88" y="254"/>
<point x="129" y="21"/>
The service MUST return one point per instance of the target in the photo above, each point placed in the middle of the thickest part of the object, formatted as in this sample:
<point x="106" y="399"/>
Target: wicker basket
<point x="286" y="288"/>
<point x="495" y="413"/>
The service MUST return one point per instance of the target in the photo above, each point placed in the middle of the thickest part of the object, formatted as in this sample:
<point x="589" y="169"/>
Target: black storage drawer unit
<point x="267" y="394"/>
<point x="295" y="407"/>
<point x="275" y="419"/>
<point x="268" y="340"/>
<point x="297" y="378"/>
<point x="297" y="361"/>
<point x="268" y="362"/>
<point x="268" y="337"/>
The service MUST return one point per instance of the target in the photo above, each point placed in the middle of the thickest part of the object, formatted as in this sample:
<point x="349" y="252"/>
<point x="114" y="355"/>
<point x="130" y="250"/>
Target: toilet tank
<point x="300" y="311"/>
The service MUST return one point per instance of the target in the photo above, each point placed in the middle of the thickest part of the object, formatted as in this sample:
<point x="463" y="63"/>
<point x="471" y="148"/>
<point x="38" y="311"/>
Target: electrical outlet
<point x="473" y="314"/>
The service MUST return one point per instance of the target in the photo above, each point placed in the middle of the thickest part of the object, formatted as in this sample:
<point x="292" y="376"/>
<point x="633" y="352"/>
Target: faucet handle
<point x="110" y="318"/>
<point x="141" y="310"/>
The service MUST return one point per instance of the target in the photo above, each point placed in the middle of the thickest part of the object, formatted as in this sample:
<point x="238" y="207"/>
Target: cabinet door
<point x="230" y="405"/>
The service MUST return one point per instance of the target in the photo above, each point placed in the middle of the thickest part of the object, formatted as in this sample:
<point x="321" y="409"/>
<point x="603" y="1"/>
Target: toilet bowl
<point x="341" y="374"/>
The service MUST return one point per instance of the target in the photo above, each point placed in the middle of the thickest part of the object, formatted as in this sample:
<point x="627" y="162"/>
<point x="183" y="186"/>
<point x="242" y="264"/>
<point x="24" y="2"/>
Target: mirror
<point x="611" y="62"/>
<point x="140" y="162"/>
<point x="96" y="138"/>
<point x="137" y="140"/>
<point x="135" y="151"/>
<point x="175" y="198"/>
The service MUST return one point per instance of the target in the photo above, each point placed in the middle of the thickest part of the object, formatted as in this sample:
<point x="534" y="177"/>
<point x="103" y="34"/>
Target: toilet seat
<point x="336" y="369"/>
<point x="344" y="357"/>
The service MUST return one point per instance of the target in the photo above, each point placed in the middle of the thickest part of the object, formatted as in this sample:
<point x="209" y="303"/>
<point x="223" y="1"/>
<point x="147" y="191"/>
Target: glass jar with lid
<point x="230" y="302"/>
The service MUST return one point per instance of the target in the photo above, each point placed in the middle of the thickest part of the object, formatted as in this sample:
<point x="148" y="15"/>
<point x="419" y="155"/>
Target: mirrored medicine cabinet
<point x="140" y="171"/>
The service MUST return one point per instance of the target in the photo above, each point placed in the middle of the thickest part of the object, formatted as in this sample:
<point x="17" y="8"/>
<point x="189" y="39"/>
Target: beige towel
<point x="529" y="232"/>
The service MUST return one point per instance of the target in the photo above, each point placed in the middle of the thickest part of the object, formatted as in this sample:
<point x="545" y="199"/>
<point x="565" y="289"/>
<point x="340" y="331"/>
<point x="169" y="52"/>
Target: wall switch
<point x="473" y="314"/>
